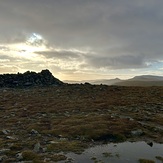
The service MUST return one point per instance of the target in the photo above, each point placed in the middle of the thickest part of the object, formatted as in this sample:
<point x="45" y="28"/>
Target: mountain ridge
<point x="147" y="78"/>
<point x="141" y="80"/>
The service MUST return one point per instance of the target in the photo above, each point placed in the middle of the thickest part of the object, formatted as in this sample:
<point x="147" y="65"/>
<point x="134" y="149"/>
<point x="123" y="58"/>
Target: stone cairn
<point x="29" y="79"/>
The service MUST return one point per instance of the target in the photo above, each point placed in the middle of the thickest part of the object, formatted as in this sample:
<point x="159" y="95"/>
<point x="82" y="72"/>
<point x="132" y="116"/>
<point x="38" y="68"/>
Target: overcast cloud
<point x="88" y="35"/>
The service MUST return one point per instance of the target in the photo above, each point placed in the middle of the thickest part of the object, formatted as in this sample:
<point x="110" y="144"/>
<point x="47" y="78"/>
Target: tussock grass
<point x="67" y="146"/>
<point x="30" y="156"/>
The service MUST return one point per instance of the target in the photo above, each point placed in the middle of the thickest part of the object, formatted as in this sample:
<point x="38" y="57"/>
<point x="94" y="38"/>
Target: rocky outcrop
<point x="29" y="79"/>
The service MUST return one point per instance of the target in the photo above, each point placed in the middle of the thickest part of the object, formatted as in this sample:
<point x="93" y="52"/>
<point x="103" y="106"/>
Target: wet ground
<point x="126" y="152"/>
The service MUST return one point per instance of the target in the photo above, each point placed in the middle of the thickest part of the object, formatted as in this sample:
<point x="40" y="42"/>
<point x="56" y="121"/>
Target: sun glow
<point x="26" y="51"/>
<point x="34" y="43"/>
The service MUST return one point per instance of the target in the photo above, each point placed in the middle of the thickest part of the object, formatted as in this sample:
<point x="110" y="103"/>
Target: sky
<point x="82" y="39"/>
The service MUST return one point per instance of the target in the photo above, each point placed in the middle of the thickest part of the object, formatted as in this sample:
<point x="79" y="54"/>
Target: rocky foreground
<point x="41" y="118"/>
<point x="40" y="124"/>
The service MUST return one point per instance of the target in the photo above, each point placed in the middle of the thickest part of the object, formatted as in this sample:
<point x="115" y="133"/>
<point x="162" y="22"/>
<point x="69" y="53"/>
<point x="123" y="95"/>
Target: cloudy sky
<point x="82" y="39"/>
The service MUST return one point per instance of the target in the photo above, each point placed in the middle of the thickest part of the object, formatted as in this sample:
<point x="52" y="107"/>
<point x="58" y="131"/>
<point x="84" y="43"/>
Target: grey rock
<point x="138" y="132"/>
<point x="47" y="159"/>
<point x="2" y="158"/>
<point x="28" y="84"/>
<point x="19" y="156"/>
<point x="150" y="144"/>
<point x="11" y="137"/>
<point x="4" y="90"/>
<point x="63" y="139"/>
<point x="4" y="150"/>
<point x="53" y="142"/>
<point x="34" y="132"/>
<point x="6" y="132"/>
<point x="37" y="147"/>
<point x="44" y="150"/>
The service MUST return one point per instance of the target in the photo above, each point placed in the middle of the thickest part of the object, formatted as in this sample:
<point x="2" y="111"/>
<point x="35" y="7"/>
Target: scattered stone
<point x="60" y="136"/>
<point x="44" y="150"/>
<point x="138" y="132"/>
<point x="150" y="144"/>
<point x="34" y="132"/>
<point x="37" y="147"/>
<point x="25" y="109"/>
<point x="6" y="132"/>
<point x="70" y="160"/>
<point x="47" y="159"/>
<point x="66" y="115"/>
<point x="2" y="158"/>
<point x="11" y="137"/>
<point x="126" y="117"/>
<point x="63" y="139"/>
<point x="4" y="150"/>
<point x="19" y="156"/>
<point x="53" y="142"/>
<point x="44" y="115"/>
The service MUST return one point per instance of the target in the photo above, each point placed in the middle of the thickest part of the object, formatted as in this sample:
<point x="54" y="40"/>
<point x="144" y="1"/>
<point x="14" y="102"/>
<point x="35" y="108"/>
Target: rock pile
<point x="28" y="79"/>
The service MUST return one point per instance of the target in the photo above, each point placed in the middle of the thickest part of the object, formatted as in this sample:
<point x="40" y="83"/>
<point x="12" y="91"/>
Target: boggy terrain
<point x="41" y="124"/>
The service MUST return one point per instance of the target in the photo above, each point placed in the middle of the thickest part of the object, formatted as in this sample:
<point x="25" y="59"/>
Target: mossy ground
<point x="79" y="115"/>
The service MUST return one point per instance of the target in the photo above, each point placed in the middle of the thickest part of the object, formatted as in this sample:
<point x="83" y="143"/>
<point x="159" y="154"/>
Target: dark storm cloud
<point x="63" y="55"/>
<point x="133" y="27"/>
<point x="126" y="61"/>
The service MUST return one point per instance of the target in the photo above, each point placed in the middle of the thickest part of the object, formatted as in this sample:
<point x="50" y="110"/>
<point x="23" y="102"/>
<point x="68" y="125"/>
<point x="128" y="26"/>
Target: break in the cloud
<point x="76" y="37"/>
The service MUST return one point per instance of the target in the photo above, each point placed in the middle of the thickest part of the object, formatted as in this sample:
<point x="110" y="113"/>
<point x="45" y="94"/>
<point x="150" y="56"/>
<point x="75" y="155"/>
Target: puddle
<point x="126" y="152"/>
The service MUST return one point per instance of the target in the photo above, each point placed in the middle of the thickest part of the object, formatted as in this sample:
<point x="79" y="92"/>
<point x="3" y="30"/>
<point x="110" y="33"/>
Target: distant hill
<point x="73" y="82"/>
<point x="143" y="80"/>
<point x="105" y="81"/>
<point x="29" y="79"/>
<point x="97" y="82"/>
<point x="140" y="83"/>
<point x="147" y="78"/>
